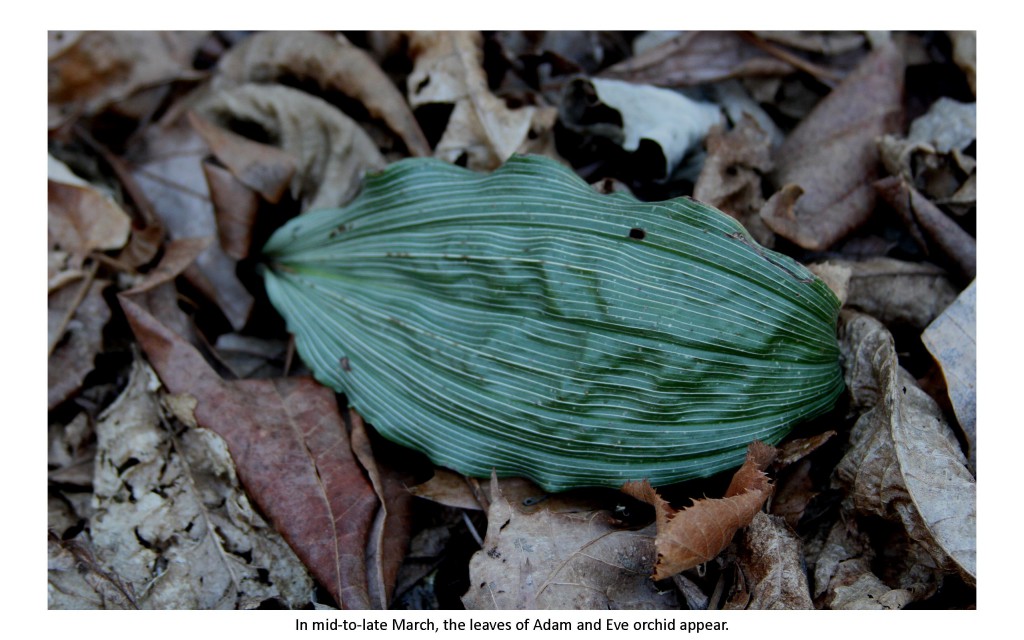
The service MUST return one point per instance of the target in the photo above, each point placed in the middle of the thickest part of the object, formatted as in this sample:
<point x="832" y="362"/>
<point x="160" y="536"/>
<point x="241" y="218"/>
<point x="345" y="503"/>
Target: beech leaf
<point x="697" y="534"/>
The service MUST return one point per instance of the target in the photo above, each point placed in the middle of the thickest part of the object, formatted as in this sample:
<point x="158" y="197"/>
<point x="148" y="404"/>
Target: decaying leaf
<point x="76" y="315"/>
<point x="933" y="156"/>
<point x="263" y="168"/>
<point x="481" y="129"/>
<point x="171" y="520"/>
<point x="855" y="587"/>
<point x="952" y="341"/>
<point x="292" y="454"/>
<point x="832" y="155"/>
<point x="75" y="580"/>
<point x="334" y="64"/>
<point x="81" y="219"/>
<point x="698" y="57"/>
<point x="697" y="534"/>
<point x="96" y="69"/>
<point x="571" y="559"/>
<point x="771" y="559"/>
<point x="896" y="292"/>
<point x="332" y="151"/>
<point x="904" y="463"/>
<point x="730" y="178"/>
<point x="930" y="226"/>
<point x="631" y="114"/>
<point x="235" y="207"/>
<point x="167" y="167"/>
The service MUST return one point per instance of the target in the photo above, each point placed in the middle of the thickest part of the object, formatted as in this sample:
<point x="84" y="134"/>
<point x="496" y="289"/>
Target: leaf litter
<point x="878" y="515"/>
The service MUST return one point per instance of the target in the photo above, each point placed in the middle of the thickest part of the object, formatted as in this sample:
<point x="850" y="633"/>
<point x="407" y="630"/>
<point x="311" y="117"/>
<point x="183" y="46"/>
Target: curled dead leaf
<point x="697" y="534"/>
<point x="482" y="129"/>
<point x="771" y="557"/>
<point x="333" y="153"/>
<point x="904" y="463"/>
<point x="334" y="64"/>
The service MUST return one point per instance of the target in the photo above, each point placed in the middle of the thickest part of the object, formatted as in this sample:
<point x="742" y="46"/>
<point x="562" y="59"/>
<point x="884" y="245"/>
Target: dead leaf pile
<point x="193" y="464"/>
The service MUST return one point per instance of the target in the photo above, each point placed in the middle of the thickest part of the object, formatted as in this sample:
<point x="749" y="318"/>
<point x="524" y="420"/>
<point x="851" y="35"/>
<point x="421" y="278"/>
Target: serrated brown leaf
<point x="832" y="155"/>
<point x="292" y="454"/>
<point x="334" y="64"/>
<point x="697" y="534"/>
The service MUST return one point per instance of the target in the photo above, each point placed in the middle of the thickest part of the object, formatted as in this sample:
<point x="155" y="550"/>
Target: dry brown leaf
<point x="448" y="488"/>
<point x="730" y="178"/>
<point x="827" y="43"/>
<point x="93" y="70"/>
<point x="76" y="315"/>
<point x="904" y="463"/>
<point x="235" y="207"/>
<point x="697" y="534"/>
<point x="393" y="523"/>
<point x="832" y="155"/>
<point x="166" y="166"/>
<point x="698" y="57"/>
<point x="171" y="520"/>
<point x="771" y="558"/>
<point x="334" y="64"/>
<point x="292" y="454"/>
<point x="332" y="151"/>
<point x="898" y="293"/>
<point x="261" y="167"/>
<point x="952" y="341"/>
<point x="933" y="229"/>
<point x="572" y="559"/>
<point x="80" y="218"/>
<point x="448" y="69"/>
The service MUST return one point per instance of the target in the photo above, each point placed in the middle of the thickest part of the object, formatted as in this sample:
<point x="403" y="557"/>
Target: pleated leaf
<point x="520" y="321"/>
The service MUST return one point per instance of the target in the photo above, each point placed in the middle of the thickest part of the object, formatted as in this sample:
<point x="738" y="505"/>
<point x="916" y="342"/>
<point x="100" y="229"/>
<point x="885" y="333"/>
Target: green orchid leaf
<point x="519" y="321"/>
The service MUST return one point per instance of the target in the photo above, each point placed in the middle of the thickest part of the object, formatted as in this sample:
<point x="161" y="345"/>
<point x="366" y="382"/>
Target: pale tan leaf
<point x="855" y="587"/>
<point x="332" y="151"/>
<point x="571" y="559"/>
<point x="952" y="341"/>
<point x="171" y="519"/>
<point x="904" y="463"/>
<point x="898" y="293"/>
<point x="81" y="218"/>
<point x="76" y="315"/>
<point x="334" y="64"/>
<point x="448" y="69"/>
